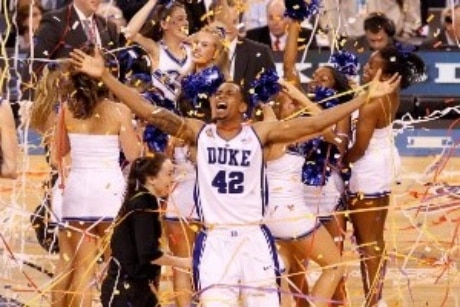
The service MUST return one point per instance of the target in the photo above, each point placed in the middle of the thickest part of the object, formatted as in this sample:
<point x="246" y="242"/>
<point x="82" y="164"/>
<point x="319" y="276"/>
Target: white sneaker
<point x="382" y="303"/>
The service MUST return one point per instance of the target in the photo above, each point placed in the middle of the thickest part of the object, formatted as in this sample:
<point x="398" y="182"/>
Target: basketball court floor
<point x="422" y="234"/>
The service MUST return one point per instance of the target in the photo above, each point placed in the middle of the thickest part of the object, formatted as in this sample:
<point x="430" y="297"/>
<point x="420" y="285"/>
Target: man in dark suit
<point x="274" y="33"/>
<point x="247" y="58"/>
<point x="71" y="27"/>
<point x="449" y="37"/>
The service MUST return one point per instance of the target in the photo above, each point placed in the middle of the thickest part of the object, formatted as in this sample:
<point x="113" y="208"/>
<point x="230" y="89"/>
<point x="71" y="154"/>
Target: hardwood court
<point x="423" y="239"/>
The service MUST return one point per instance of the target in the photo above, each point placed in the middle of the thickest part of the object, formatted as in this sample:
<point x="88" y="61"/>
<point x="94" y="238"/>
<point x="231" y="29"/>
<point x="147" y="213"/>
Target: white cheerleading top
<point x="166" y="76"/>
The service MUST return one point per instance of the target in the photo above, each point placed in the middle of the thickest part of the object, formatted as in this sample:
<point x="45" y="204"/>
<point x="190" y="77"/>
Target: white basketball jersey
<point x="231" y="183"/>
<point x="170" y="68"/>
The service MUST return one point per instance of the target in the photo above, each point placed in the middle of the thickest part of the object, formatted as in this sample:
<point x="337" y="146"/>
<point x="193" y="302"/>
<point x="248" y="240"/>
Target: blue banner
<point x="443" y="70"/>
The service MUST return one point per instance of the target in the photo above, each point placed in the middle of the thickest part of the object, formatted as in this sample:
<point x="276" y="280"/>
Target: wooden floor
<point x="423" y="239"/>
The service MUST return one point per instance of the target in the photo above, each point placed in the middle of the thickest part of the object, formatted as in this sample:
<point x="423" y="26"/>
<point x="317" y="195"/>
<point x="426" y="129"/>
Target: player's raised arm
<point x="295" y="129"/>
<point x="165" y="120"/>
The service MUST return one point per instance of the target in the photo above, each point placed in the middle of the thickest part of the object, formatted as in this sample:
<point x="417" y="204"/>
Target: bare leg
<point x="320" y="248"/>
<point x="63" y="274"/>
<point x="181" y="239"/>
<point x="368" y="228"/>
<point x="337" y="229"/>
<point x="286" y="255"/>
<point x="85" y="250"/>
<point x="296" y="271"/>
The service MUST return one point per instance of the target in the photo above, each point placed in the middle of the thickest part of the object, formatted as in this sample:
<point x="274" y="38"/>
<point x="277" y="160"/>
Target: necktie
<point x="88" y="26"/>
<point x="276" y="45"/>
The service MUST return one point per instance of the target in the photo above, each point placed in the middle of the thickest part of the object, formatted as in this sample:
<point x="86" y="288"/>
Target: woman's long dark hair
<point x="407" y="64"/>
<point x="341" y="84"/>
<point x="141" y="168"/>
<point x="160" y="13"/>
<point x="85" y="93"/>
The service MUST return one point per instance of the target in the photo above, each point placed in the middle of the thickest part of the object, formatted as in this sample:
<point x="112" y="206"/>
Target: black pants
<point x="128" y="294"/>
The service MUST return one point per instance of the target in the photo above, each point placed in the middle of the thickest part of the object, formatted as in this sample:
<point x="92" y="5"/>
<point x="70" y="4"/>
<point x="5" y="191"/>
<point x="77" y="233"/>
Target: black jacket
<point x="60" y="32"/>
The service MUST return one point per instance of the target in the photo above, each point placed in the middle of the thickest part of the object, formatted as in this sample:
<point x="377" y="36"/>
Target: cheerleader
<point x="92" y="128"/>
<point x="374" y="163"/>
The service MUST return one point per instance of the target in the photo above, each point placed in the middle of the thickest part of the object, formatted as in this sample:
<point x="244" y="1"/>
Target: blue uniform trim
<point x="87" y="219"/>
<point x="369" y="195"/>
<point x="341" y="206"/>
<point x="301" y="236"/>
<point x="264" y="193"/>
<point x="172" y="57"/>
<point x="198" y="249"/>
<point x="274" y="253"/>
<point x="196" y="191"/>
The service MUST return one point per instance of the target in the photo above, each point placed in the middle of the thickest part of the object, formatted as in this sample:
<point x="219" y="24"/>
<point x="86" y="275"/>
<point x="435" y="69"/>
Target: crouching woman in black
<point x="136" y="256"/>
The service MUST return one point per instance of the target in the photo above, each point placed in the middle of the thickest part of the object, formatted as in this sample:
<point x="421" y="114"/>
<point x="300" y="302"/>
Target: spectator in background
<point x="379" y="33"/>
<point x="345" y="19"/>
<point x="72" y="27"/>
<point x="247" y="58"/>
<point x="28" y="19"/>
<point x="110" y="12"/>
<point x="404" y="13"/>
<point x="255" y="14"/>
<point x="449" y="37"/>
<point x="274" y="33"/>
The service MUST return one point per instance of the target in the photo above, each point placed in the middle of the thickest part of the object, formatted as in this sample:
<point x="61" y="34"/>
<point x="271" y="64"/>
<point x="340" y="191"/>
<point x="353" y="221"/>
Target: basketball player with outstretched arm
<point x="234" y="255"/>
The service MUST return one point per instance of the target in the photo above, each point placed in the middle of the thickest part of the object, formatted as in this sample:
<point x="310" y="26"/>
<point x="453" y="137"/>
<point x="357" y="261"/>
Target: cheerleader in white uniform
<point x="322" y="195"/>
<point x="163" y="39"/>
<point x="374" y="162"/>
<point x="92" y="129"/>
<point x="300" y="235"/>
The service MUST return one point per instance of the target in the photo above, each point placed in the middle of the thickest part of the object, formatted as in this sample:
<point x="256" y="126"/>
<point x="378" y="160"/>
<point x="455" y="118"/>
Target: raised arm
<point x="135" y="25"/>
<point x="165" y="120"/>
<point x="290" y="53"/>
<point x="138" y="20"/>
<point x="294" y="129"/>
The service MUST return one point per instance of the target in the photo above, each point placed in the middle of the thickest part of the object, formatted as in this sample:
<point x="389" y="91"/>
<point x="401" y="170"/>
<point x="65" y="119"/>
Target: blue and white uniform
<point x="170" y="68"/>
<point x="325" y="199"/>
<point x="233" y="250"/>
<point x="288" y="217"/>
<point x="181" y="202"/>
<point x="373" y="174"/>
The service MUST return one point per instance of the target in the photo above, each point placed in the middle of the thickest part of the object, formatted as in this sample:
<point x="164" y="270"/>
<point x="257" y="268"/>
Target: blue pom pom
<point x="323" y="93"/>
<point x="264" y="86"/>
<point x="345" y="62"/>
<point x="156" y="139"/>
<point x="202" y="85"/>
<point x="300" y="10"/>
<point x="405" y="49"/>
<point x="319" y="163"/>
<point x="133" y="60"/>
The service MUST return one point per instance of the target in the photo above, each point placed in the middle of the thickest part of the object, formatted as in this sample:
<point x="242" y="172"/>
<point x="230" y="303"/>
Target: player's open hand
<point x="379" y="88"/>
<point x="291" y="90"/>
<point x="93" y="66"/>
